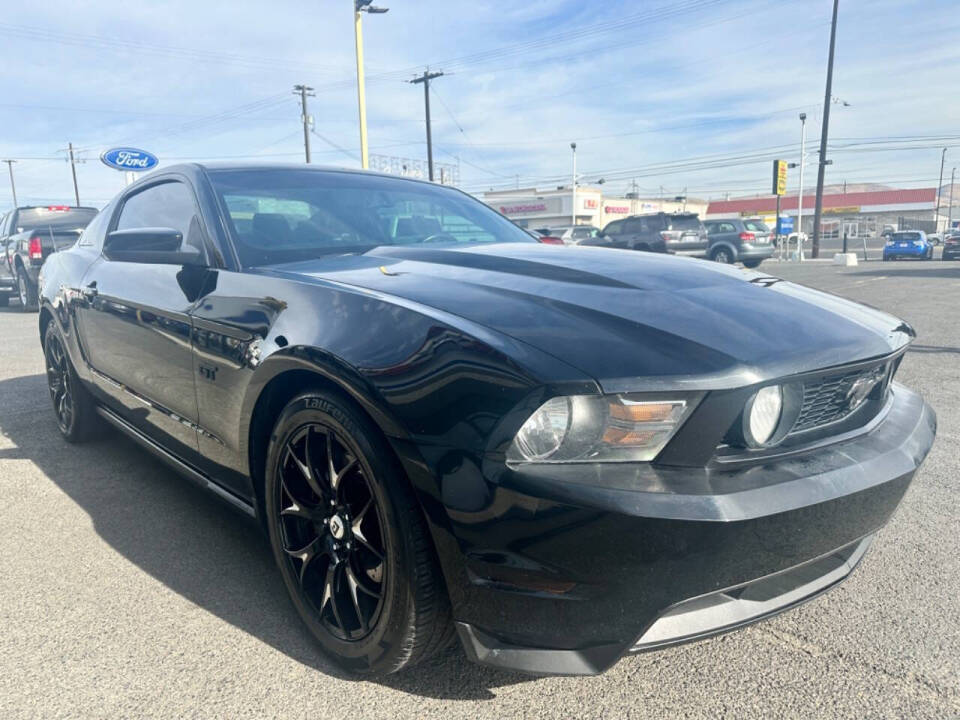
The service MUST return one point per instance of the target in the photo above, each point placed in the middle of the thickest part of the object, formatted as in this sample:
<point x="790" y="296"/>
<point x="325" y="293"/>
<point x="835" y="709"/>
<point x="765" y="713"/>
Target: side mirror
<point x="156" y="246"/>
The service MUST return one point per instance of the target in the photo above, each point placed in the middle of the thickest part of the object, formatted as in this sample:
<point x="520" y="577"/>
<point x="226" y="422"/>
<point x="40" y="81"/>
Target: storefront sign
<point x="779" y="177"/>
<point x="849" y="210"/>
<point x="522" y="209"/>
<point x="617" y="209"/>
<point x="591" y="203"/>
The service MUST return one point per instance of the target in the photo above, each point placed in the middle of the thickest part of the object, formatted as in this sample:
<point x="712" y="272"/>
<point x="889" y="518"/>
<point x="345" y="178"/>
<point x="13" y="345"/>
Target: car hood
<point x="630" y="320"/>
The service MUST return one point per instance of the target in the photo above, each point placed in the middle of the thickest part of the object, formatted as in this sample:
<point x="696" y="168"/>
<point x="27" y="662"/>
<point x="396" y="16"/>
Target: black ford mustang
<point x="562" y="455"/>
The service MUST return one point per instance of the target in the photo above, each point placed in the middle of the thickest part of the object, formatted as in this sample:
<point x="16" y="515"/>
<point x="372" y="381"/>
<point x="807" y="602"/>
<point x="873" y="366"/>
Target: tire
<point x="27" y="292"/>
<point x="722" y="255"/>
<point x="355" y="554"/>
<point x="752" y="263"/>
<point x="73" y="405"/>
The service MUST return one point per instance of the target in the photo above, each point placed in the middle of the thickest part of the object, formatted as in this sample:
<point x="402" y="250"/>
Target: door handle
<point x="90" y="291"/>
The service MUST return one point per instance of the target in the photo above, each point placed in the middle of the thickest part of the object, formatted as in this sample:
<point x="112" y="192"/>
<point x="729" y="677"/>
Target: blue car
<point x="908" y="244"/>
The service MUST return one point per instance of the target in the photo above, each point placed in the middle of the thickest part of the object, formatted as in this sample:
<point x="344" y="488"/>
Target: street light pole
<point x="13" y="187"/>
<point x="573" y="195"/>
<point x="936" y="214"/>
<point x="818" y="210"/>
<point x="359" y="7"/>
<point x="803" y="156"/>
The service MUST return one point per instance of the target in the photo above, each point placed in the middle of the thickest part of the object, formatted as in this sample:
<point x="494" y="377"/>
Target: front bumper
<point x="565" y="576"/>
<point x="951" y="252"/>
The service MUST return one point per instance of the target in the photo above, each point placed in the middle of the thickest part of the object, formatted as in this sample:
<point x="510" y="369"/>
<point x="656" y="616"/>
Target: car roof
<point x="230" y="165"/>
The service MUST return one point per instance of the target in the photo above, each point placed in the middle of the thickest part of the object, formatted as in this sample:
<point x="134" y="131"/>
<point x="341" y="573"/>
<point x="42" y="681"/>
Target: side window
<point x="169" y="205"/>
<point x="614" y="228"/>
<point x="726" y="228"/>
<point x="92" y="235"/>
<point x="634" y="225"/>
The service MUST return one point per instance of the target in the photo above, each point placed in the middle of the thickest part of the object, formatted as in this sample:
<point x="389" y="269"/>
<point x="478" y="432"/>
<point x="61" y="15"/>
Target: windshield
<point x="684" y="222"/>
<point x="280" y="216"/>
<point x="906" y="236"/>
<point x="756" y="226"/>
<point x="61" y="218"/>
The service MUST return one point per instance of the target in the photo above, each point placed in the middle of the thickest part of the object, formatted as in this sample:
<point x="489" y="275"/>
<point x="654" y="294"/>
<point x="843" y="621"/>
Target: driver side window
<point x="168" y="205"/>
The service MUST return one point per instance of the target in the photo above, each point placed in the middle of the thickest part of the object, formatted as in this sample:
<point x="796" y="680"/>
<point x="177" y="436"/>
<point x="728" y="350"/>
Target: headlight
<point x="889" y="243"/>
<point x="590" y="428"/>
<point x="543" y="433"/>
<point x="762" y="415"/>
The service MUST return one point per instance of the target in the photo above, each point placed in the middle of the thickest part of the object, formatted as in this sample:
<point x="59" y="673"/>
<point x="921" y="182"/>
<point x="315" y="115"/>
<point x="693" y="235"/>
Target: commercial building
<point x="532" y="208"/>
<point x="858" y="214"/>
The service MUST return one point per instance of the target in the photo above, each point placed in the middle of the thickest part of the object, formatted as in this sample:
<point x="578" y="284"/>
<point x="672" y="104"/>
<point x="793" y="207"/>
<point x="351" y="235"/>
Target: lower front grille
<point x="832" y="398"/>
<point x="725" y="610"/>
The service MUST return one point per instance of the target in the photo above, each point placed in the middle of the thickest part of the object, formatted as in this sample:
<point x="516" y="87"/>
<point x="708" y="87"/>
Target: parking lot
<point x="129" y="592"/>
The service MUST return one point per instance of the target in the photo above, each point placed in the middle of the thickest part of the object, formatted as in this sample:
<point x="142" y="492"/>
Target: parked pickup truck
<point x="27" y="237"/>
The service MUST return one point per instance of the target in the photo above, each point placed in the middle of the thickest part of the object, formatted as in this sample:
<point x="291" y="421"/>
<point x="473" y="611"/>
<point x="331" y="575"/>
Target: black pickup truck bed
<point x="28" y="235"/>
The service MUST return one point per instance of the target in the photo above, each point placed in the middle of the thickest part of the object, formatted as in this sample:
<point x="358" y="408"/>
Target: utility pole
<point x="304" y="91"/>
<point x="936" y="214"/>
<point x="73" y="170"/>
<point x="818" y="211"/>
<point x="425" y="79"/>
<point x="359" y="7"/>
<point x="13" y="187"/>
<point x="950" y="208"/>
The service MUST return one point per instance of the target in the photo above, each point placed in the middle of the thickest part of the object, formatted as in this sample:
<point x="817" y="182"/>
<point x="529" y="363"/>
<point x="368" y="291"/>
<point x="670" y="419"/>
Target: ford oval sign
<point x="129" y="159"/>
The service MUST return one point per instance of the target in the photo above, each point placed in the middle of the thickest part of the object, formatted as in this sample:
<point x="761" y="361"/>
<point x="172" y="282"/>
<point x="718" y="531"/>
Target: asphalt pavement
<point x="127" y="592"/>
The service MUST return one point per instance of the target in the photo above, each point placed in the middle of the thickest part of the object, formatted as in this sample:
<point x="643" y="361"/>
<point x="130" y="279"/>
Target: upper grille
<point x="828" y="399"/>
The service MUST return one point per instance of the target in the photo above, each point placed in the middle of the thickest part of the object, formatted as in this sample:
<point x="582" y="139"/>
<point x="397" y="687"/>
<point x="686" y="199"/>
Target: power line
<point x="338" y="148"/>
<point x="100" y="42"/>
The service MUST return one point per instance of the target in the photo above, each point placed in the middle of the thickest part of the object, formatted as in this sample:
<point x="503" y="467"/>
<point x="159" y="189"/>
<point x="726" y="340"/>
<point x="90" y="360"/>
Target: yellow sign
<point x="849" y="210"/>
<point x="779" y="177"/>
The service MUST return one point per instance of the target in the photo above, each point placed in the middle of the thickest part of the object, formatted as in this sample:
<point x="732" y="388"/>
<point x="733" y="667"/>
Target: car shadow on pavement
<point x="194" y="543"/>
<point x="898" y="270"/>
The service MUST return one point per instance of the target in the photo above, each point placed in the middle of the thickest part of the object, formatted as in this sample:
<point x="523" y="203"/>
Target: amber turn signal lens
<point x="620" y="436"/>
<point x="642" y="412"/>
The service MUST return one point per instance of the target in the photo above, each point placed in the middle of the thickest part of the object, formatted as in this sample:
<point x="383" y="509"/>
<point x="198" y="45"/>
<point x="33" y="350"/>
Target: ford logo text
<point x="129" y="159"/>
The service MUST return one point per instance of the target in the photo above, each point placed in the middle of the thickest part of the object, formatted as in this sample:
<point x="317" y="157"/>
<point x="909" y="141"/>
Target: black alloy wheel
<point x="350" y="538"/>
<point x="60" y="383"/>
<point x="73" y="405"/>
<point x="331" y="530"/>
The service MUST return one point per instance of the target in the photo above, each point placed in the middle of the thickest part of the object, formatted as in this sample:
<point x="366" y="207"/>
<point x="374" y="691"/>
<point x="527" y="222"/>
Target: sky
<point x="681" y="96"/>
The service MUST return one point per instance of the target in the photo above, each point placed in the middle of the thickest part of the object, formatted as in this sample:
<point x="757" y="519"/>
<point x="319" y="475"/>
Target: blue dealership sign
<point x="129" y="159"/>
<point x="786" y="224"/>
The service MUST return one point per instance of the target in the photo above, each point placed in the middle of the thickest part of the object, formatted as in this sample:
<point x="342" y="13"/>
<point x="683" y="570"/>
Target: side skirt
<point x="185" y="469"/>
